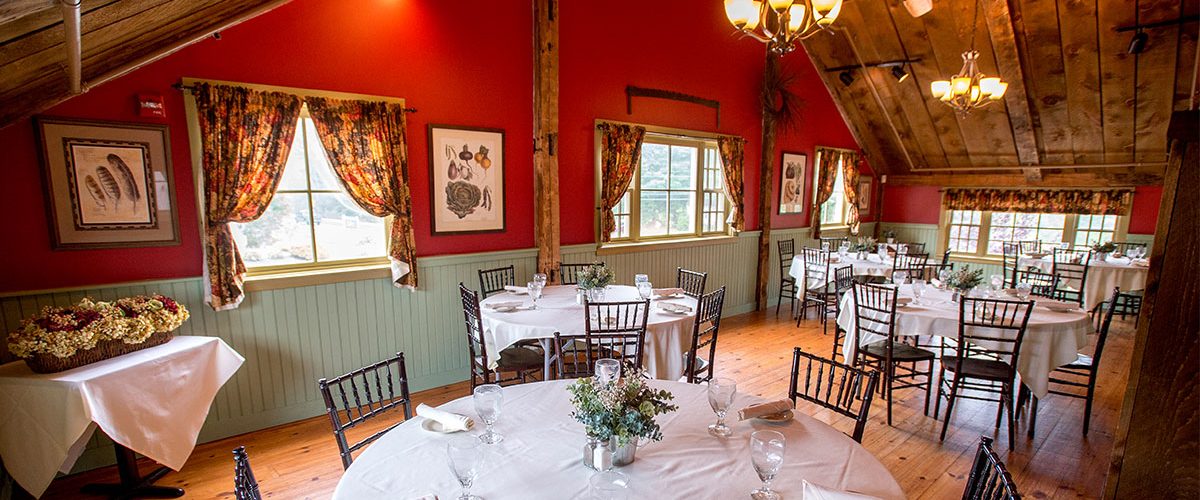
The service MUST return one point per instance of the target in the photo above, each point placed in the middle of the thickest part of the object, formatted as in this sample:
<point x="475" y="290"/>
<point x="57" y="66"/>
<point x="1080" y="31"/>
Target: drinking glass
<point x="720" y="396"/>
<point x="766" y="452"/>
<point x="465" y="455"/>
<point x="882" y="251"/>
<point x="610" y="485"/>
<point x="902" y="248"/>
<point x="843" y="249"/>
<point x="899" y="277"/>
<point x="535" y="291"/>
<point x="641" y="278"/>
<point x="540" y="279"/>
<point x="608" y="370"/>
<point x="997" y="282"/>
<point x="488" y="400"/>
<point x="944" y="275"/>
<point x="919" y="287"/>
<point x="1023" y="290"/>
<point x="645" y="289"/>
<point x="824" y="246"/>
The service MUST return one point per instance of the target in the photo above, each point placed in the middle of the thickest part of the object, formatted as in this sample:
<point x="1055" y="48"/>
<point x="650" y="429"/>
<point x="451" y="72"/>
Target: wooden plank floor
<point x="299" y="460"/>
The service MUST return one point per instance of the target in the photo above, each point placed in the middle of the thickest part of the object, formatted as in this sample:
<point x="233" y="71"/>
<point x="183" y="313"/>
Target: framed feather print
<point x="107" y="184"/>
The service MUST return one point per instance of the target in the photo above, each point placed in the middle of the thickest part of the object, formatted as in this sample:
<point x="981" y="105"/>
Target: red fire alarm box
<point x="151" y="106"/>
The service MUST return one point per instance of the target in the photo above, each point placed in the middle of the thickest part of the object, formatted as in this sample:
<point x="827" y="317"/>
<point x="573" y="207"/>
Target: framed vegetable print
<point x="791" y="183"/>
<point x="864" y="195"/>
<point x="466" y="173"/>
<point x="108" y="184"/>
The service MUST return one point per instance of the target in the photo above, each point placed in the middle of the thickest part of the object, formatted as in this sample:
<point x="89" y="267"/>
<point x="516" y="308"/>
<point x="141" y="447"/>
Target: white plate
<point x="673" y="296"/>
<point x="432" y="425"/>
<point x="777" y="418"/>
<point x="504" y="309"/>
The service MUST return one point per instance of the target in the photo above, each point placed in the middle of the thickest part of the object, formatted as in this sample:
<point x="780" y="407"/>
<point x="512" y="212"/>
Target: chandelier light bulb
<point x="781" y="23"/>
<point x="939" y="88"/>
<point x="796" y="18"/>
<point x="780" y="6"/>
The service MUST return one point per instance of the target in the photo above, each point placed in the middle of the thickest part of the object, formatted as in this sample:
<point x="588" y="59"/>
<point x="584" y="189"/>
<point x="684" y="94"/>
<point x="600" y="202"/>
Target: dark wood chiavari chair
<point x="704" y="338"/>
<point x="843" y="281"/>
<point x="912" y="263"/>
<point x="569" y="273"/>
<point x="842" y="388"/>
<point x="945" y="264"/>
<point x="523" y="361"/>
<point x="1081" y="373"/>
<point x="990" y="332"/>
<point x="614" y="330"/>
<point x="692" y="282"/>
<point x="1124" y="246"/>
<point x="1041" y="283"/>
<point x="245" y="486"/>
<point x="494" y="280"/>
<point x="912" y="248"/>
<point x="875" y="315"/>
<point x="818" y="288"/>
<point x="787" y="284"/>
<point x="1028" y="247"/>
<point x="356" y="402"/>
<point x="989" y="479"/>
<point x="1071" y="267"/>
<point x="1010" y="255"/>
<point x="833" y="241"/>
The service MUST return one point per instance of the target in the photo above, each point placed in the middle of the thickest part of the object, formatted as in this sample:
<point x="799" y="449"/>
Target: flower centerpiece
<point x="593" y="279"/>
<point x="1103" y="250"/>
<point x="618" y="413"/>
<point x="864" y="245"/>
<point x="890" y="235"/>
<point x="61" y="338"/>
<point x="963" y="280"/>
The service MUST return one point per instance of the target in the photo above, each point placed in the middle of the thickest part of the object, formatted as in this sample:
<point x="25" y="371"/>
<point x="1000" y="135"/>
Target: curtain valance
<point x="1059" y="201"/>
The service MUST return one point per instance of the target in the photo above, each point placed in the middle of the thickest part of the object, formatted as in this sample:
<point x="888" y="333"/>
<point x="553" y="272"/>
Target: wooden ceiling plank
<point x="1081" y="59"/>
<point x="1037" y="23"/>
<point x="1010" y="67"/>
<point x="52" y="38"/>
<point x="1078" y="180"/>
<point x="33" y="24"/>
<point x="1186" y="68"/>
<point x="11" y="10"/>
<point x="1116" y="80"/>
<point x="1156" y="81"/>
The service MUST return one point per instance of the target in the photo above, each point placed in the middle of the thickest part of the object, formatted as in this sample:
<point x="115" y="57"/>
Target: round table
<point x="1102" y="277"/>
<point x="541" y="455"/>
<point x="668" y="335"/>
<point x="1052" y="339"/>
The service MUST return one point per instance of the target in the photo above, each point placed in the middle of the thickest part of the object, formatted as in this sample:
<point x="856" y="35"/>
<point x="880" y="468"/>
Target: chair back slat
<point x="704" y="336"/>
<point x="245" y="486"/>
<point x="1124" y="246"/>
<point x="1041" y="283"/>
<point x="692" y="282"/>
<point x="989" y="479"/>
<point x="613" y="330"/>
<point x="367" y="404"/>
<point x="473" y="319"/>
<point x="912" y="263"/>
<point x="494" y="280"/>
<point x="787" y="250"/>
<point x="843" y="279"/>
<point x="1010" y="255"/>
<point x="1030" y="246"/>
<point x="816" y="268"/>
<point x="841" y="388"/>
<point x="875" y="312"/>
<point x="1071" y="267"/>
<point x="833" y="241"/>
<point x="992" y="328"/>
<point x="913" y="248"/>
<point x="569" y="273"/>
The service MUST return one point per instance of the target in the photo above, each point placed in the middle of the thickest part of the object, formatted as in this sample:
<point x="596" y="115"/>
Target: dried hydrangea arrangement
<point x="624" y="409"/>
<point x="63" y="331"/>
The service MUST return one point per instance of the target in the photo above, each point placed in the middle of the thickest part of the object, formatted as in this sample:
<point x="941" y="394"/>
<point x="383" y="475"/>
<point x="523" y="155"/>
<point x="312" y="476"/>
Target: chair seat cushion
<point x="989" y="369"/>
<point x="900" y="351"/>
<point x="518" y="359"/>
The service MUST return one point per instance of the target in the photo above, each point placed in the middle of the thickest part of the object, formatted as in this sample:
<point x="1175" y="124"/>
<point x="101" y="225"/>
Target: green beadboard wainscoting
<point x="293" y="336"/>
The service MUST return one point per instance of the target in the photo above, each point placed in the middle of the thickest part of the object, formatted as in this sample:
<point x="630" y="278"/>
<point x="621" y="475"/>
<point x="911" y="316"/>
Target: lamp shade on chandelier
<point x="780" y="23"/>
<point x="969" y="89"/>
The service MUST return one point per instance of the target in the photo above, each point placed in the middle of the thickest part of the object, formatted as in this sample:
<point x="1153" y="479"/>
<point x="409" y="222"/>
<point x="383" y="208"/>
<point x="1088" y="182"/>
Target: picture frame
<point x="864" y="195"/>
<point x="792" y="169"/>
<point x="107" y="184"/>
<point x="466" y="179"/>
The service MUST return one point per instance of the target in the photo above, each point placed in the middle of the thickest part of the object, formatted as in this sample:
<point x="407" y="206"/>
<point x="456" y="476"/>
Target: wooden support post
<point x="546" y="227"/>
<point x="1157" y="439"/>
<point x="878" y="232"/>
<point x="766" y="172"/>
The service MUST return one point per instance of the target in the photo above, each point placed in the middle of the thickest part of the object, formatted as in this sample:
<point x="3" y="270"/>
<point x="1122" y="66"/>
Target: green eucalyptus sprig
<point x="624" y="409"/>
<point x="965" y="279"/>
<point x="597" y="275"/>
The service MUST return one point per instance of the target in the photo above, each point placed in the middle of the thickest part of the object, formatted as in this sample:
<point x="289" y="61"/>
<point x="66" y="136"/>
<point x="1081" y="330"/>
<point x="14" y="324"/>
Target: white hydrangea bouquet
<point x="597" y="275"/>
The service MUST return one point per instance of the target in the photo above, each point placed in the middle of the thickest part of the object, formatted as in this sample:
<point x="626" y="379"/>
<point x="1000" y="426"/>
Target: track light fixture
<point x="899" y="73"/>
<point x="1137" y="44"/>
<point x="846" y="77"/>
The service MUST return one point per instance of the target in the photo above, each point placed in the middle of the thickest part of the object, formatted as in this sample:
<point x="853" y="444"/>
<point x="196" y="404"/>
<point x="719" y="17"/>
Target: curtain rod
<point x="943" y="190"/>
<point x="192" y="88"/>
<point x="710" y="135"/>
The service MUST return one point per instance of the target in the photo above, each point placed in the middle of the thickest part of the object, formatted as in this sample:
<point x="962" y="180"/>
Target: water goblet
<point x="843" y="249"/>
<point x="488" y="399"/>
<point x="641" y="278"/>
<point x="535" y="291"/>
<point x="720" y="396"/>
<point x="1023" y="290"/>
<point x="540" y="279"/>
<point x="610" y="485"/>
<point x="899" y="277"/>
<point x="902" y="248"/>
<point x="766" y="453"/>
<point x="645" y="289"/>
<point x="608" y="370"/>
<point x="824" y="246"/>
<point x="465" y="455"/>
<point x="919" y="286"/>
<point x="944" y="275"/>
<point x="997" y="282"/>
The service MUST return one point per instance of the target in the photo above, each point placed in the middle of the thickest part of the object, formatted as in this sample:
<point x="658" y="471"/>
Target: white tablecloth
<point x="1102" y="277"/>
<point x="542" y="451"/>
<point x="668" y="335"/>
<point x="1052" y="339"/>
<point x="152" y="401"/>
<point x="872" y="266"/>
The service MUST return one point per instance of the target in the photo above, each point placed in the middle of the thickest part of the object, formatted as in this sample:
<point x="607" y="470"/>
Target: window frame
<point x="703" y="142"/>
<point x="1070" y="229"/>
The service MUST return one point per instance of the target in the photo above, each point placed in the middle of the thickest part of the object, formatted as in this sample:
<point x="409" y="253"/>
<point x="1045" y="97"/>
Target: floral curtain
<point x="733" y="153"/>
<point x="620" y="151"/>
<point x="245" y="138"/>
<point x="1064" y="201"/>
<point x="826" y="176"/>
<point x="368" y="149"/>
<point x="850" y="180"/>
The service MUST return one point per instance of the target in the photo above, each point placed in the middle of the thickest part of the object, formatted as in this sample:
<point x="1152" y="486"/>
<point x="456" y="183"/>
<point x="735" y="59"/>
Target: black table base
<point x="133" y="484"/>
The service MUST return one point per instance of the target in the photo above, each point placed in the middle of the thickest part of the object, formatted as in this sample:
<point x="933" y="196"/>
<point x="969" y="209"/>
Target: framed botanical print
<point x="864" y="195"/>
<point x="108" y="184"/>
<point x="466" y="179"/>
<point x="791" y="182"/>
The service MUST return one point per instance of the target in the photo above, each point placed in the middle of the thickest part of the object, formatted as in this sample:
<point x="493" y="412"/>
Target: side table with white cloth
<point x="151" y="401"/>
<point x="668" y="334"/>
<point x="1102" y="276"/>
<point x="1052" y="339"/>
<point x="541" y="455"/>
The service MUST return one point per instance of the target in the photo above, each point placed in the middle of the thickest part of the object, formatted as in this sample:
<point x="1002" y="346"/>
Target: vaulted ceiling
<point x="116" y="36"/>
<point x="1079" y="108"/>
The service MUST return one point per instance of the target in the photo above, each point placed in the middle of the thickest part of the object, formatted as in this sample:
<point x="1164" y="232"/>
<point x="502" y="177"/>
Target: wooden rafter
<point x="1008" y="61"/>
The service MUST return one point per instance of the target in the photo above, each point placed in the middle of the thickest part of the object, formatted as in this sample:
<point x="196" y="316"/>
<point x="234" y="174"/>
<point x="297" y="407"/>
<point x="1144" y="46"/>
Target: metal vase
<point x="623" y="455"/>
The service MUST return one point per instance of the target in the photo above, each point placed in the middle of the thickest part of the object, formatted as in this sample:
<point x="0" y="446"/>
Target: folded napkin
<point x="516" y="289"/>
<point x="814" y="492"/>
<point x="1140" y="262"/>
<point x="502" y="305"/>
<point x="663" y="292"/>
<point x="449" y="421"/>
<point x="671" y="306"/>
<point x="760" y="409"/>
<point x="1056" y="304"/>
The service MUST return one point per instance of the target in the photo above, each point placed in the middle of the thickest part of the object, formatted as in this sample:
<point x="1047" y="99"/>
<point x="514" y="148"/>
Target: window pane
<point x="344" y="230"/>
<point x="281" y="236"/>
<point x="1110" y="222"/>
<point x="654" y="166"/>
<point x="295" y="178"/>
<point x="653" y="217"/>
<point x="1054" y="220"/>
<point x="322" y="174"/>
<point x="683" y="212"/>
<point x="683" y="167"/>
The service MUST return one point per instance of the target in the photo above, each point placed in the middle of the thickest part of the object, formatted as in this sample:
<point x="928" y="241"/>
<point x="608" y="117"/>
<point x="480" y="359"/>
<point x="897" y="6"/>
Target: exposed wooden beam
<point x="766" y="172"/>
<point x="11" y="10"/>
<point x="546" y="227"/>
<point x="1098" y="180"/>
<point x="1008" y="63"/>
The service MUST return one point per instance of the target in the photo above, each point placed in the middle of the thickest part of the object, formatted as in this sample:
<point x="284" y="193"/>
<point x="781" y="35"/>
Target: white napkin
<point x="503" y="305"/>
<point x="814" y="492"/>
<point x="516" y="289"/>
<point x="449" y="421"/>
<point x="1140" y="262"/>
<point x="663" y="292"/>
<point x="1056" y="304"/>
<point x="760" y="409"/>
<point x="673" y="307"/>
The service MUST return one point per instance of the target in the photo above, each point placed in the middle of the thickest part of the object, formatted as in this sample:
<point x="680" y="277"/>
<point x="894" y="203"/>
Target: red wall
<point x="1143" y="216"/>
<point x="473" y="70"/>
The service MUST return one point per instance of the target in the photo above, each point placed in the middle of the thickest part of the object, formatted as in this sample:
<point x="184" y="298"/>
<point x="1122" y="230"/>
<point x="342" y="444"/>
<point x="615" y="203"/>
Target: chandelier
<point x="969" y="89"/>
<point x="779" y="23"/>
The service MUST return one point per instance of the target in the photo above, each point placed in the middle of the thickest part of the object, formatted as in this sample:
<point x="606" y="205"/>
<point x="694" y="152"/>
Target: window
<point x="983" y="234"/>
<point x="311" y="220"/>
<point x="678" y="191"/>
<point x="835" y="210"/>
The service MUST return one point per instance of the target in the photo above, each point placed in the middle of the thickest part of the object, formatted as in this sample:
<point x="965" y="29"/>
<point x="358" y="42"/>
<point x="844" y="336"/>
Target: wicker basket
<point x="105" y="349"/>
